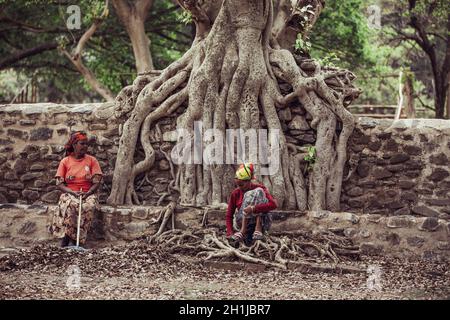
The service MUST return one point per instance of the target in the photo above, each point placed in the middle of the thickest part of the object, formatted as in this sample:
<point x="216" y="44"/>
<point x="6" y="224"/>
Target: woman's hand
<point x="248" y="210"/>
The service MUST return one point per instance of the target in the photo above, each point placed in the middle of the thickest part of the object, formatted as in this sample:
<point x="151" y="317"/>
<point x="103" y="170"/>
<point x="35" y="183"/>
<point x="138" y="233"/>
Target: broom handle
<point x="79" y="219"/>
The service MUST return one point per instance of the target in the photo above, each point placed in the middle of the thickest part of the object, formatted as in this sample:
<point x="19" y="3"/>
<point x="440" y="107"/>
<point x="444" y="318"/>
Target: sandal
<point x="238" y="236"/>
<point x="257" y="235"/>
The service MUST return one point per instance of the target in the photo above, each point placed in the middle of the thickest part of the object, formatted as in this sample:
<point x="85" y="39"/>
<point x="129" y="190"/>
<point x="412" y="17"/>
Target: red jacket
<point x="235" y="202"/>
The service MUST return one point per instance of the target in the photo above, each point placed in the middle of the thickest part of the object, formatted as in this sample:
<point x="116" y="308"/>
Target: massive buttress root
<point x="231" y="79"/>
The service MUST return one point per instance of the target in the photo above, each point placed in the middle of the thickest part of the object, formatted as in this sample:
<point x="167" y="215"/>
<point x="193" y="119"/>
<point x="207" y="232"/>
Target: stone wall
<point x="396" y="168"/>
<point x="395" y="195"/>
<point x="31" y="145"/>
<point x="32" y="139"/>
<point x="401" y="236"/>
<point x="399" y="168"/>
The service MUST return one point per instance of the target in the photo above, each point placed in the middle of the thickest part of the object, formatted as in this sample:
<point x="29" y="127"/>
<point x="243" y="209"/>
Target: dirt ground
<point x="140" y="271"/>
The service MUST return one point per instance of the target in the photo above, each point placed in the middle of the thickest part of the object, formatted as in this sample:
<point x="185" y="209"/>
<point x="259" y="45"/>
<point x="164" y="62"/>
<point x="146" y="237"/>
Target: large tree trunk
<point x="230" y="79"/>
<point x="440" y="96"/>
<point x="133" y="15"/>
<point x="293" y="18"/>
<point x="408" y="92"/>
<point x="141" y="45"/>
<point x="448" y="96"/>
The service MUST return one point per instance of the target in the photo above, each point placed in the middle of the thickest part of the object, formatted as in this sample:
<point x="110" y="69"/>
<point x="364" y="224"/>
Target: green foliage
<point x="311" y="157"/>
<point x="10" y="83"/>
<point x="342" y="38"/>
<point x="342" y="30"/>
<point x="301" y="45"/>
<point x="168" y="43"/>
<point x="184" y="17"/>
<point x="330" y="60"/>
<point x="108" y="54"/>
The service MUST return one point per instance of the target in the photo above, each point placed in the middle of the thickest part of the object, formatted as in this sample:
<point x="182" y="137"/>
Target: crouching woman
<point x="249" y="205"/>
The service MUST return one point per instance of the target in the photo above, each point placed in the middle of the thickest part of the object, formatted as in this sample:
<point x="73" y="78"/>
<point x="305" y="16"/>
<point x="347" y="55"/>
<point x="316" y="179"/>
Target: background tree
<point x="339" y="38"/>
<point x="133" y="16"/>
<point x="426" y="25"/>
<point x="76" y="56"/>
<point x="31" y="32"/>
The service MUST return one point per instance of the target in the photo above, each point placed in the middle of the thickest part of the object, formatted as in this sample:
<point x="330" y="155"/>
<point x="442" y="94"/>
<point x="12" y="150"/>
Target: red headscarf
<point x="74" y="138"/>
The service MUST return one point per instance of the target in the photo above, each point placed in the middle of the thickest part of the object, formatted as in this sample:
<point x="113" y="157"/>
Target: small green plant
<point x="311" y="157"/>
<point x="329" y="60"/>
<point x="302" y="45"/>
<point x="184" y="17"/>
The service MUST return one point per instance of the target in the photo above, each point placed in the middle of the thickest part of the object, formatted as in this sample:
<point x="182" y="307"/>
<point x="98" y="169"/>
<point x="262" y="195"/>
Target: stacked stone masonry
<point x="395" y="195"/>
<point x="394" y="168"/>
<point x="401" y="236"/>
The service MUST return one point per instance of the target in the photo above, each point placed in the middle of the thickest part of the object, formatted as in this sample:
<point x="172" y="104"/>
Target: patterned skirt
<point x="64" y="219"/>
<point x="251" y="198"/>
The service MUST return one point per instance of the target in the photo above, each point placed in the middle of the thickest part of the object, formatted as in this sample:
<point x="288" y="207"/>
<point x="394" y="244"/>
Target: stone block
<point x="139" y="213"/>
<point x="425" y="211"/>
<point x="409" y="196"/>
<point x="429" y="224"/>
<point x="363" y="169"/>
<point x="37" y="167"/>
<point x="31" y="176"/>
<point x="14" y="185"/>
<point x="399" y="222"/>
<point x="321" y="214"/>
<point x="399" y="158"/>
<point x="402" y="211"/>
<point x="369" y="248"/>
<point x="23" y="135"/>
<point x="439" y="159"/>
<point x="438" y="175"/>
<point x="299" y="123"/>
<point x="27" y="122"/>
<point x="406" y="184"/>
<point x="41" y="134"/>
<point x="374" y="145"/>
<point x="51" y="197"/>
<point x="381" y="173"/>
<point x="415" y="241"/>
<point x="30" y="195"/>
<point x="355" y="192"/>
<point x="412" y="150"/>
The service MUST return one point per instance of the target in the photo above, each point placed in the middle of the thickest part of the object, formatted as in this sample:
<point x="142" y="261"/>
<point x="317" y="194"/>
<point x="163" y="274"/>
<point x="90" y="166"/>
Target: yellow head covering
<point x="245" y="172"/>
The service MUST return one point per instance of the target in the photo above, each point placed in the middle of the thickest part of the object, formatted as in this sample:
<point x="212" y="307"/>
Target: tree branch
<point x="143" y="8"/>
<point x="76" y="58"/>
<point x="9" y="61"/>
<point x="133" y="17"/>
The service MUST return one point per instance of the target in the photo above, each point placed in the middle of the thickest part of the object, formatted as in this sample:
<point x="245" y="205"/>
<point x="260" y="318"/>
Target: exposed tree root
<point x="322" y="252"/>
<point x="231" y="79"/>
<point x="166" y="214"/>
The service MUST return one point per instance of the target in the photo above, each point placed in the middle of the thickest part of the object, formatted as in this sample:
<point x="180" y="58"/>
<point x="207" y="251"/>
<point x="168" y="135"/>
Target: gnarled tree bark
<point x="230" y="79"/>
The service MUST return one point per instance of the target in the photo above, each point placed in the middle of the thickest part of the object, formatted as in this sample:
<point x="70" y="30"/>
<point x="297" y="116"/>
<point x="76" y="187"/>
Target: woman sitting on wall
<point x="79" y="174"/>
<point x="252" y="202"/>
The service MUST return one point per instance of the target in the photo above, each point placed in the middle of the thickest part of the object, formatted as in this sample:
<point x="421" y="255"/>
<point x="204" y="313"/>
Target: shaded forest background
<point x="375" y="39"/>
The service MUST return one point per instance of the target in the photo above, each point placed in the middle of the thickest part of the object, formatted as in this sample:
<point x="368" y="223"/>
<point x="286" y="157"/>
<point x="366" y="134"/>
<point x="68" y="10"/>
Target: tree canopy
<point x="32" y="30"/>
<point x="412" y="35"/>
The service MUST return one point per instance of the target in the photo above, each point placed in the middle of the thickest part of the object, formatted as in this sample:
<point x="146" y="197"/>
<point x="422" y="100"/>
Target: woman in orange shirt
<point x="78" y="174"/>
